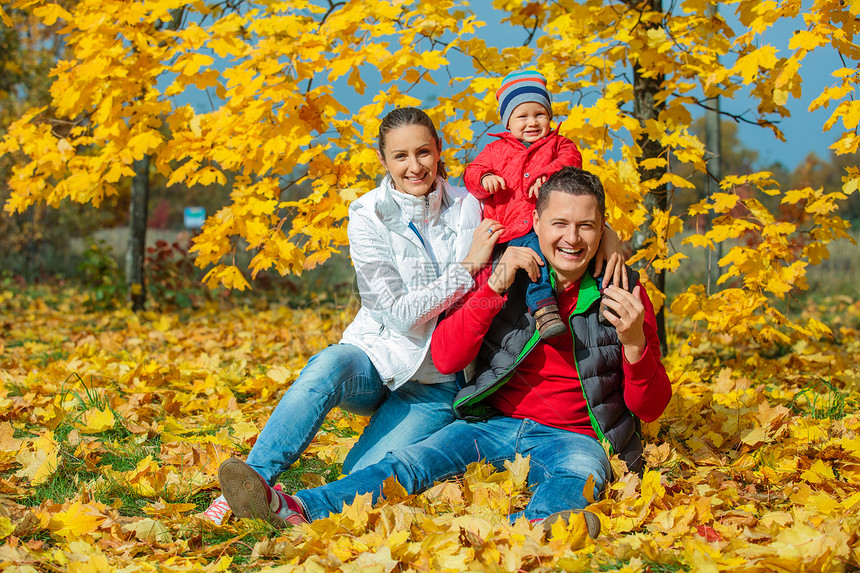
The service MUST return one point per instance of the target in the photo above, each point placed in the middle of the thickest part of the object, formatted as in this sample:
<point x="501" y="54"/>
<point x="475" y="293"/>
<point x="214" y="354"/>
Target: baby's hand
<point x="533" y="190"/>
<point x="492" y="183"/>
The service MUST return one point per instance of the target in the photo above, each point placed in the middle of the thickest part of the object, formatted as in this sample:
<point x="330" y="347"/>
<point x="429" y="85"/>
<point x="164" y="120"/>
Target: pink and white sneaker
<point x="219" y="508"/>
<point x="249" y="495"/>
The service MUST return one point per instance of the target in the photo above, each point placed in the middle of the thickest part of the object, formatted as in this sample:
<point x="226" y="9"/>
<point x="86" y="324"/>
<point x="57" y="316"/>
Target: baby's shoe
<point x="549" y="322"/>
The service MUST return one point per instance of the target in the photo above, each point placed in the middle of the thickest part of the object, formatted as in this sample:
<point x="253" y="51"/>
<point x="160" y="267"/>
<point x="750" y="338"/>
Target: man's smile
<point x="571" y="251"/>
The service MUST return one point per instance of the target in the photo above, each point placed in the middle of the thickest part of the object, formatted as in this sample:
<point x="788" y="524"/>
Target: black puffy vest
<point x="597" y="351"/>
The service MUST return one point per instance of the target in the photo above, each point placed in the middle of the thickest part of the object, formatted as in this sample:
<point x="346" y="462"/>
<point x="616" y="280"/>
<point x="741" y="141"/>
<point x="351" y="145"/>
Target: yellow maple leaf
<point x="370" y="562"/>
<point x="224" y="275"/>
<point x="356" y="512"/>
<point x="8" y="443"/>
<point x="41" y="462"/>
<point x="698" y="241"/>
<point x="819" y="472"/>
<point x="6" y="527"/>
<point x="280" y="374"/>
<point x="724" y="202"/>
<point x="232" y="277"/>
<point x="651" y="485"/>
<point x="755" y="437"/>
<point x="392" y="490"/>
<point x="244" y="430"/>
<point x="95" y="421"/>
<point x="518" y="469"/>
<point x="748" y="65"/>
<point x="50" y="13"/>
<point x="76" y="521"/>
<point x="92" y="564"/>
<point x="150" y="531"/>
<point x="818" y="328"/>
<point x="822" y="503"/>
<point x="573" y="533"/>
<point x="588" y="489"/>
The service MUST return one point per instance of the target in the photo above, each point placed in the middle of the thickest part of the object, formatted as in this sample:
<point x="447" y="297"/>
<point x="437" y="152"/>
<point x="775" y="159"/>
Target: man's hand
<point x="492" y="183"/>
<point x="484" y="238"/>
<point x="535" y="187"/>
<point x="513" y="259"/>
<point x="629" y="320"/>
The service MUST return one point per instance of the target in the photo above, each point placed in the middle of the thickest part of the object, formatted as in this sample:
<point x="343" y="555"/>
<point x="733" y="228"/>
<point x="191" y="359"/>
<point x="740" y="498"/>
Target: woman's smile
<point x="411" y="158"/>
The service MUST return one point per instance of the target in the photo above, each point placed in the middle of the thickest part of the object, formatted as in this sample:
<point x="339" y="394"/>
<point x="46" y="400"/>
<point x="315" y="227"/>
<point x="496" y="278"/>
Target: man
<point x="554" y="400"/>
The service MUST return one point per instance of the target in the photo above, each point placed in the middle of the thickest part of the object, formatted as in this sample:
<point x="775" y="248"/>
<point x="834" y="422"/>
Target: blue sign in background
<point x="194" y="217"/>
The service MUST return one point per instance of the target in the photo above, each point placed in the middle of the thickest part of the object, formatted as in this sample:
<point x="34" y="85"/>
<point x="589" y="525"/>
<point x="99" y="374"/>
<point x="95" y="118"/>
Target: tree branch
<point x="739" y="118"/>
<point x="332" y="6"/>
<point x="531" y="34"/>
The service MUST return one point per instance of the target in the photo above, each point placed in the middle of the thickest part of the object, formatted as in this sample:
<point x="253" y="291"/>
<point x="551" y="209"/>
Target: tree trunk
<point x="135" y="257"/>
<point x="713" y="151"/>
<point x="136" y="254"/>
<point x="712" y="183"/>
<point x="646" y="108"/>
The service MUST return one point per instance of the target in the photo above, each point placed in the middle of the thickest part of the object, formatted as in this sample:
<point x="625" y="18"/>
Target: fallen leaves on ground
<point x="112" y="427"/>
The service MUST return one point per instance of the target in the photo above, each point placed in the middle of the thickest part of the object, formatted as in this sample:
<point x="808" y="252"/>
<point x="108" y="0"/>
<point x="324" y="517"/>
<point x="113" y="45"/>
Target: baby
<point x="507" y="174"/>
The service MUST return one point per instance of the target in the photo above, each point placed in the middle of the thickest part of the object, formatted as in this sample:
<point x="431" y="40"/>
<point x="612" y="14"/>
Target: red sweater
<point x="519" y="166"/>
<point x="545" y="386"/>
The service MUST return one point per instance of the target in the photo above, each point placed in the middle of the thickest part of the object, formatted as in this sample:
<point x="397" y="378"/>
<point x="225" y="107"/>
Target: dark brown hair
<point x="403" y="116"/>
<point x="573" y="181"/>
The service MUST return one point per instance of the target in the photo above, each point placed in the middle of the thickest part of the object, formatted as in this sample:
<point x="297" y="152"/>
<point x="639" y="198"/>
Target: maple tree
<point x="285" y="72"/>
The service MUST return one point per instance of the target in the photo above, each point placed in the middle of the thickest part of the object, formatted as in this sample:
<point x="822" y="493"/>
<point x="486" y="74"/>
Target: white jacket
<point x="406" y="281"/>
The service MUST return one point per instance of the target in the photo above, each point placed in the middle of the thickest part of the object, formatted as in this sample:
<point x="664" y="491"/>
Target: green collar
<point x="588" y="291"/>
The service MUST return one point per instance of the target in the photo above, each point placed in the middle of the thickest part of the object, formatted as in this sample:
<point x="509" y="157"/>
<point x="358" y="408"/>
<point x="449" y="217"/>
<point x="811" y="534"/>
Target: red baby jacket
<point x="519" y="166"/>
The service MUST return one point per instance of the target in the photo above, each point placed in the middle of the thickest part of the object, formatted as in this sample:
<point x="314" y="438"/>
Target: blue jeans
<point x="342" y="375"/>
<point x="538" y="294"/>
<point x="561" y="463"/>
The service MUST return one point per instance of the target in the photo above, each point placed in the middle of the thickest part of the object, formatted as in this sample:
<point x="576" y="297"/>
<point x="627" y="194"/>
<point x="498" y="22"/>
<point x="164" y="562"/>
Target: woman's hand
<point x="485" y="237"/>
<point x="513" y="259"/>
<point x="611" y="253"/>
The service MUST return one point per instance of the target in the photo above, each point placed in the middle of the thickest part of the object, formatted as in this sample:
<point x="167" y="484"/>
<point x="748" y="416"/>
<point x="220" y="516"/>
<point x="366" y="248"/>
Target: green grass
<point x="330" y="428"/>
<point x="649" y="566"/>
<point x="240" y="546"/>
<point x="120" y="453"/>
<point x="49" y="356"/>
<point x="64" y="484"/>
<point x="821" y="400"/>
<point x="291" y="480"/>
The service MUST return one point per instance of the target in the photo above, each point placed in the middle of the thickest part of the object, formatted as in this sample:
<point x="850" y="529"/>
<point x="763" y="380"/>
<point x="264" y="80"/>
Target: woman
<point x="415" y="242"/>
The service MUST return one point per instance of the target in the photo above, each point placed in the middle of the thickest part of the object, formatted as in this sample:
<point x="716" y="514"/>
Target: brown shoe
<point x="592" y="522"/>
<point x="248" y="495"/>
<point x="549" y="322"/>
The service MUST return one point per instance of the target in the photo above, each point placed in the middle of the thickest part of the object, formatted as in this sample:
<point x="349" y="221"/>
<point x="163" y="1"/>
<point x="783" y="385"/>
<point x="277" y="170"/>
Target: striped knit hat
<point x="521" y="87"/>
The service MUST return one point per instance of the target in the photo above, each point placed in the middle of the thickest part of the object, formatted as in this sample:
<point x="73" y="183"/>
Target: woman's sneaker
<point x="248" y="495"/>
<point x="219" y="508"/>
